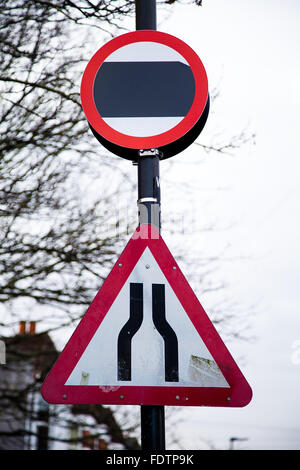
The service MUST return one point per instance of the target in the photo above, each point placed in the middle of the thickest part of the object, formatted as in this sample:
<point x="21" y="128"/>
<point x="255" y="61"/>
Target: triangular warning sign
<point x="146" y="340"/>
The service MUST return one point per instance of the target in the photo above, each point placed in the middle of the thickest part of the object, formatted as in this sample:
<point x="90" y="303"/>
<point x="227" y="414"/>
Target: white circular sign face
<point x="144" y="89"/>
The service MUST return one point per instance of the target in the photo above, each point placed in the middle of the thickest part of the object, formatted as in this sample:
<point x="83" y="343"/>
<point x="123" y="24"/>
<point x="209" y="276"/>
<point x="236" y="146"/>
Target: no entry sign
<point x="145" y="89"/>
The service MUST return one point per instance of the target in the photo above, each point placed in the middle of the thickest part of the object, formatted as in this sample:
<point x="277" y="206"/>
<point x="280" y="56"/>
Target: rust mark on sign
<point x="205" y="372"/>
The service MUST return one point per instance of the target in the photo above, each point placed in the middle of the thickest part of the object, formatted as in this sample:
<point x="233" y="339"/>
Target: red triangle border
<point x="54" y="389"/>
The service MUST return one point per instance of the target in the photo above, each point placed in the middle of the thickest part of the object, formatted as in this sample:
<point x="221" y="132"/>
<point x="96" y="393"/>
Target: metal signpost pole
<point x="152" y="417"/>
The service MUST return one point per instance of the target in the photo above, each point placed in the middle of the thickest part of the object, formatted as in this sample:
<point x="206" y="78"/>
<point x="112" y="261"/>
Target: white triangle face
<point x="195" y="367"/>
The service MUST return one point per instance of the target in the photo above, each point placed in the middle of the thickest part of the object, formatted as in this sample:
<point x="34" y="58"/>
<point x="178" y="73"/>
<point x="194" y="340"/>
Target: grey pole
<point x="152" y="417"/>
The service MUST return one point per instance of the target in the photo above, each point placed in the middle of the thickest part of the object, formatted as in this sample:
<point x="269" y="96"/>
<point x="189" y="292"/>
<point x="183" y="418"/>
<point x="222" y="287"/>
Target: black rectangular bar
<point x="144" y="89"/>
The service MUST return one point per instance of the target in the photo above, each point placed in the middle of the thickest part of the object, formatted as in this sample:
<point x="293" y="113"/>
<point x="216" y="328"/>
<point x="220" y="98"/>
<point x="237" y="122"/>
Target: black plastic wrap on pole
<point x="152" y="417"/>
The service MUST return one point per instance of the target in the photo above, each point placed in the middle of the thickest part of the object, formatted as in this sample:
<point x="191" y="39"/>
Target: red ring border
<point x="158" y="140"/>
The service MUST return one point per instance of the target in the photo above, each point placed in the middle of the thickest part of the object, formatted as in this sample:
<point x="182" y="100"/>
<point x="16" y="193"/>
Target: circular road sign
<point x="145" y="90"/>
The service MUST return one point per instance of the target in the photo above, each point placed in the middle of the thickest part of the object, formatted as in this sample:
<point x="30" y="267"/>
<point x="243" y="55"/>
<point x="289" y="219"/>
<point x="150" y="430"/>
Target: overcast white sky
<point x="250" y="49"/>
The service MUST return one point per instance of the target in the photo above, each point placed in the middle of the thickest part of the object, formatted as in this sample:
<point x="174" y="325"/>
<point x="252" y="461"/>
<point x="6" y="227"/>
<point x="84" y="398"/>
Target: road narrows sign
<point x="145" y="89"/>
<point x="146" y="340"/>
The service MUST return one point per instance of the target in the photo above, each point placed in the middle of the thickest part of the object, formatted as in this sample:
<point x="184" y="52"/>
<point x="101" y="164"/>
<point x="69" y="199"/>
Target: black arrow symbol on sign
<point x="134" y="323"/>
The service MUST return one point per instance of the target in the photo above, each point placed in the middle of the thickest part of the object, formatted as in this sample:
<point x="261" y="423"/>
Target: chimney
<point x="27" y="327"/>
<point x="32" y="328"/>
<point x="22" y="326"/>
